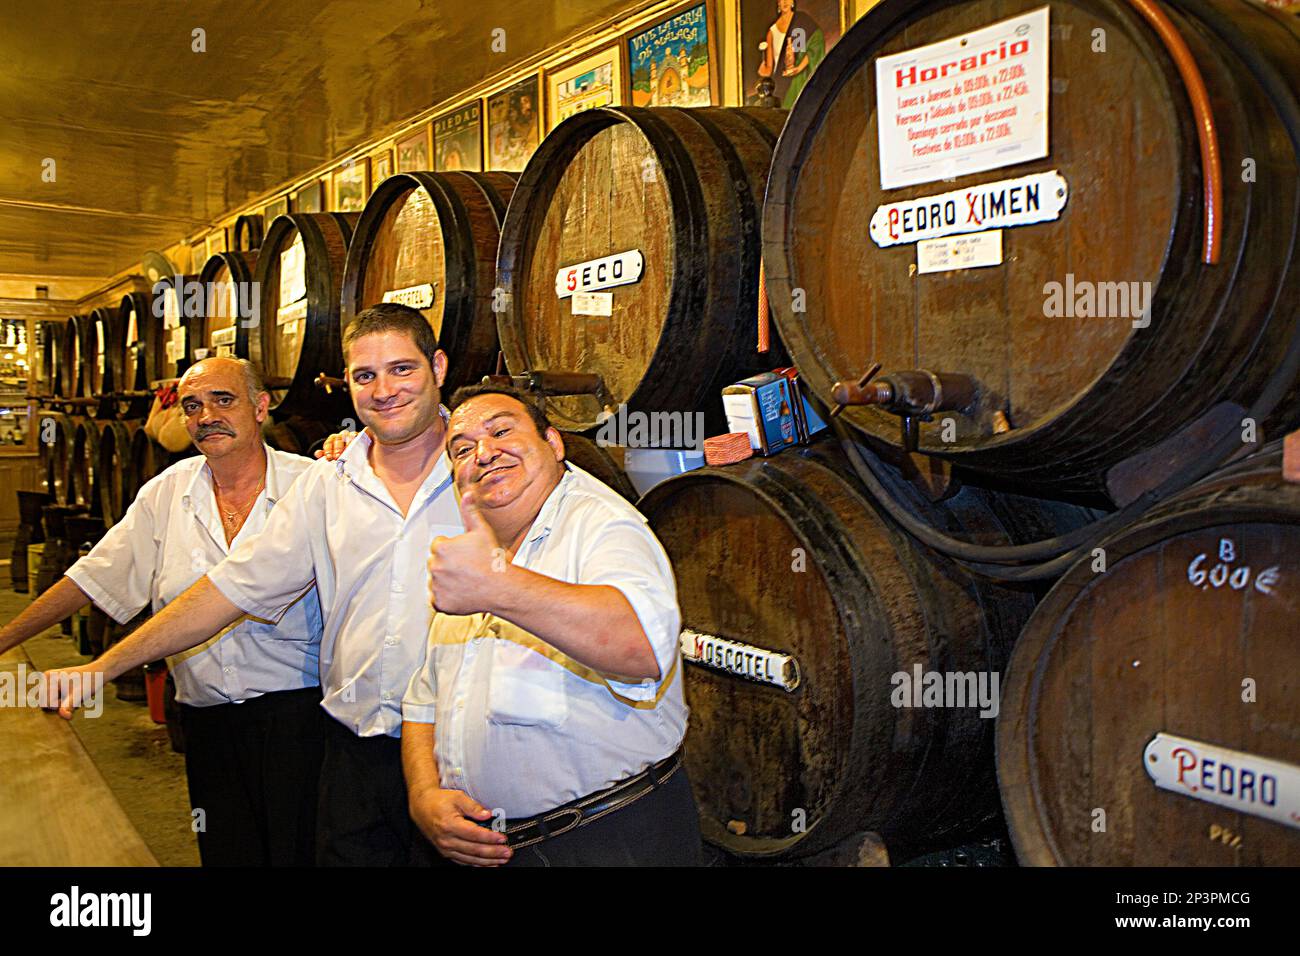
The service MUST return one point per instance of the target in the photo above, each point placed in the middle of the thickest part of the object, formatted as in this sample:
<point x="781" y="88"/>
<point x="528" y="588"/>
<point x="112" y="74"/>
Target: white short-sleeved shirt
<point x="169" y="538"/>
<point x="523" y="727"/>
<point x="340" y="527"/>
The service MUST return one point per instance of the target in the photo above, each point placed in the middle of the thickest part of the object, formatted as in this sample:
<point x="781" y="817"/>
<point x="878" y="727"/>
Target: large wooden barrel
<point x="118" y="480"/>
<point x="1176" y="664"/>
<point x="176" y="342"/>
<point x="819" y="617"/>
<point x="135" y="352"/>
<point x="227" y="280"/>
<point x="86" y="476"/>
<point x="247" y="233"/>
<point x="72" y="364"/>
<point x="300" y="272"/>
<point x="55" y="434"/>
<point x="148" y="458"/>
<point x="96" y="346"/>
<point x="675" y="195"/>
<point x="1084" y="393"/>
<point x="429" y="240"/>
<point x="50" y="379"/>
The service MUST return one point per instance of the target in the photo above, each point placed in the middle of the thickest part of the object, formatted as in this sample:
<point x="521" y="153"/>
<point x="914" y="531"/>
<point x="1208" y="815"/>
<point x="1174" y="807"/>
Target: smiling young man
<point x="360" y="528"/>
<point x="545" y="725"/>
<point x="249" y="694"/>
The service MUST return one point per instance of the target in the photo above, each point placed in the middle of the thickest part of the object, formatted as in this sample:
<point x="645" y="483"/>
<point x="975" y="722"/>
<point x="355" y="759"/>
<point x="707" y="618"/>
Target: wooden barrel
<point x="300" y="274"/>
<point x="96" y="346"/>
<point x="86" y="476"/>
<point x="176" y="341"/>
<point x="1053" y="335"/>
<point x="118" y="479"/>
<point x="72" y="371"/>
<point x="148" y="458"/>
<point x="810" y="628"/>
<point x="248" y="233"/>
<point x="429" y="240"/>
<point x="227" y="281"/>
<point x="599" y="463"/>
<point x="1177" y="664"/>
<point x="135" y="352"/>
<point x="55" y="434"/>
<point x="674" y="195"/>
<point x="50" y="380"/>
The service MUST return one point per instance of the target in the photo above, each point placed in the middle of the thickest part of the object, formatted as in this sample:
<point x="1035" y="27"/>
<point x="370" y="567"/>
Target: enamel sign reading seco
<point x="1239" y="781"/>
<point x="622" y="268"/>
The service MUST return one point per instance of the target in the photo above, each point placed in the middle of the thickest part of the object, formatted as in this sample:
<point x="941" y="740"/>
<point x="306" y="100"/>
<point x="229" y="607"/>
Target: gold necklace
<point x="236" y="517"/>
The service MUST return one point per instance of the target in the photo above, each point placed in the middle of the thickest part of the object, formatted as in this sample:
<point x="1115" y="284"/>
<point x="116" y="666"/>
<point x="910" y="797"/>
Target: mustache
<point x="216" y="428"/>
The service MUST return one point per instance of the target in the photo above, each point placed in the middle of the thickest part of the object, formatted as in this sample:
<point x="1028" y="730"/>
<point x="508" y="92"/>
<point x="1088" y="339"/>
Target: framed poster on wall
<point x="585" y="84"/>
<point x="514" y="124"/>
<point x="351" y="186"/>
<point x="458" y="139"/>
<point x="381" y="166"/>
<point x="311" y="198"/>
<point x="783" y="41"/>
<point x="674" y="62"/>
<point x="414" y="151"/>
<point x="216" y="242"/>
<point x="276" y="207"/>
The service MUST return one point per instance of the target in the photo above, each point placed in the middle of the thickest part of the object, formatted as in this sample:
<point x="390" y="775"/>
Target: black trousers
<point x="254" y="770"/>
<point x="364" y="817"/>
<point x="662" y="828"/>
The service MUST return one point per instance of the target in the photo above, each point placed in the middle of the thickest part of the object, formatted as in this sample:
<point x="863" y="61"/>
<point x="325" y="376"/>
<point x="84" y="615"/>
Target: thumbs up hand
<point x="463" y="569"/>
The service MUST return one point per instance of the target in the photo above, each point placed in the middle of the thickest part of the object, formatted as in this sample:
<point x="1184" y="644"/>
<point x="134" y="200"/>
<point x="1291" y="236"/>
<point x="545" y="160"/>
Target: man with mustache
<point x="249" y="693"/>
<point x="545" y="725"/>
<point x="359" y="527"/>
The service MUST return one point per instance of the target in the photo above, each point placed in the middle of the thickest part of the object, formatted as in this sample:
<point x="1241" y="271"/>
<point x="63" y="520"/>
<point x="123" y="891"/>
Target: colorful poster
<point x="274" y="209"/>
<point x="413" y="152"/>
<point x="381" y="167"/>
<point x="514" y="125"/>
<point x="310" y="198"/>
<point x="671" y="63"/>
<point x="458" y="139"/>
<point x="587" y="84"/>
<point x="351" y="186"/>
<point x="781" y="44"/>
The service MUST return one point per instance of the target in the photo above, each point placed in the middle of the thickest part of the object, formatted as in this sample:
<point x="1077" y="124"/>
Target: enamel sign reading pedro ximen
<point x="964" y="105"/>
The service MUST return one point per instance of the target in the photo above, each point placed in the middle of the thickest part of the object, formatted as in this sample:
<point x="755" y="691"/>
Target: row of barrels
<point x="808" y="670"/>
<point x="96" y="465"/>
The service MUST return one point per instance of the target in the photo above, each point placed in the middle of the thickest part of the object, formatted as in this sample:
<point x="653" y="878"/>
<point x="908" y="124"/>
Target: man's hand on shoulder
<point x="335" y="445"/>
<point x="446" y="818"/>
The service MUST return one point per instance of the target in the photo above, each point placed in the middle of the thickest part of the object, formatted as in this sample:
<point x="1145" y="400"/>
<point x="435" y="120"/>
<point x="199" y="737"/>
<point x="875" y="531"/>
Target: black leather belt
<point x="584" y="810"/>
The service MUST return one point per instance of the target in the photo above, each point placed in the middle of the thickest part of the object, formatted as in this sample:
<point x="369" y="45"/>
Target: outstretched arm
<point x="54" y="605"/>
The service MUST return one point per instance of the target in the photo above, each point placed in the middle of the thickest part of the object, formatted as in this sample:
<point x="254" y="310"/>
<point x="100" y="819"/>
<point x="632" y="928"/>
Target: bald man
<point x="250" y="695"/>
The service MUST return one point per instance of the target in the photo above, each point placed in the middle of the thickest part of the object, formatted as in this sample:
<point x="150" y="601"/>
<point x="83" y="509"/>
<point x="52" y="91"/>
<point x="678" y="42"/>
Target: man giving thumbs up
<point x="545" y="724"/>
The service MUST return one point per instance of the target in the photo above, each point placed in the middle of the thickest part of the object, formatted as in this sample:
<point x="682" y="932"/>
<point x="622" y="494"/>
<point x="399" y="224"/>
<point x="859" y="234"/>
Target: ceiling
<point x="151" y="140"/>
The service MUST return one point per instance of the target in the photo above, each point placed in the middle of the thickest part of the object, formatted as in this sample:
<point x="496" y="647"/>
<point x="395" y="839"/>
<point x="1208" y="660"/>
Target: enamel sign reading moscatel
<point x="732" y="657"/>
<point x="622" y="268"/>
<point x="1239" y="781"/>
<point x="416" y="296"/>
<point x="997" y="205"/>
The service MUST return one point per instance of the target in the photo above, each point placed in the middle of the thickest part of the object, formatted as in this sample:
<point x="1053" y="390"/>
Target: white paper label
<point x="226" y="336"/>
<point x="742" y="660"/>
<point x="622" y="268"/>
<point x="964" y="105"/>
<point x="999" y="205"/>
<point x="169" y="349"/>
<point x="178" y="339"/>
<point x="291" y="313"/>
<point x="1229" y="778"/>
<point x="293" y="283"/>
<point x="593" y="303"/>
<point x="741" y="417"/>
<point x="416" y="296"/>
<point x="171" y="308"/>
<point x="959" y="252"/>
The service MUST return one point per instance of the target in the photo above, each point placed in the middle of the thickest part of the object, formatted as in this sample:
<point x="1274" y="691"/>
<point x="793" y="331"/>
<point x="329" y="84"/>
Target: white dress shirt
<point x="522" y="727"/>
<point x="340" y="526"/>
<point x="168" y="539"/>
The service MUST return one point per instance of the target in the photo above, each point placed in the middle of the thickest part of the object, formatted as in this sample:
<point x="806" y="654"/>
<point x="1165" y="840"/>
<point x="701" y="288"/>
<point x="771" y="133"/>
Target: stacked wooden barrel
<point x="655" y="213"/>
<point x="1151" y="708"/>
<point x="300" y="274"/>
<point x="1065" y="400"/>
<point x="429" y="240"/>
